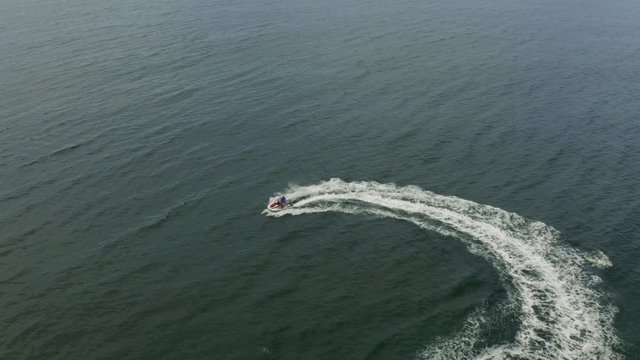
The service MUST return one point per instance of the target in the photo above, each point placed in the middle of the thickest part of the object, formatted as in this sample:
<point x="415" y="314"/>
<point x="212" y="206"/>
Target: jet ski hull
<point x="274" y="207"/>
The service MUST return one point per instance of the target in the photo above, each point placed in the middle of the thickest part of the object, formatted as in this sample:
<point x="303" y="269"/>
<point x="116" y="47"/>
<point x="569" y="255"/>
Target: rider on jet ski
<point x="282" y="202"/>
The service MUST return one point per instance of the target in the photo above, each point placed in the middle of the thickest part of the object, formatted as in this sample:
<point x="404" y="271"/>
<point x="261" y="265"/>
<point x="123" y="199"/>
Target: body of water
<point x="464" y="177"/>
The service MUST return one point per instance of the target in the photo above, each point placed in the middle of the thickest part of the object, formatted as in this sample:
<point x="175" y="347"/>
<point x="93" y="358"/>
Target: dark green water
<point x="141" y="140"/>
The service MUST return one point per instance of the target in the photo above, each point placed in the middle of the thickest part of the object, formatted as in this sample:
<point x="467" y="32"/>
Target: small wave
<point x="598" y="259"/>
<point x="61" y="151"/>
<point x="168" y="213"/>
<point x="177" y="96"/>
<point x="562" y="314"/>
<point x="152" y="222"/>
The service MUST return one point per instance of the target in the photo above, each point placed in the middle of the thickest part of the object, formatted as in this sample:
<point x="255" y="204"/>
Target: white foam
<point x="562" y="314"/>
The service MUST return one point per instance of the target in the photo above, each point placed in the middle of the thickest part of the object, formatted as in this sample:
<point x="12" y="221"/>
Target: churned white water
<point x="551" y="288"/>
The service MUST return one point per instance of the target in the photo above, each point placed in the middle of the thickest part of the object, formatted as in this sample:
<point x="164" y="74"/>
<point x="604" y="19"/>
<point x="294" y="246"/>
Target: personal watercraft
<point x="278" y="204"/>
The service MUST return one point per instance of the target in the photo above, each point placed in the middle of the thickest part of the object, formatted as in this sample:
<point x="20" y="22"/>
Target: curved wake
<point x="561" y="314"/>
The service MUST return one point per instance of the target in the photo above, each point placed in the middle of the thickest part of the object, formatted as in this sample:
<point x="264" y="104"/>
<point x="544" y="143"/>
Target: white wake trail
<point x="562" y="315"/>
